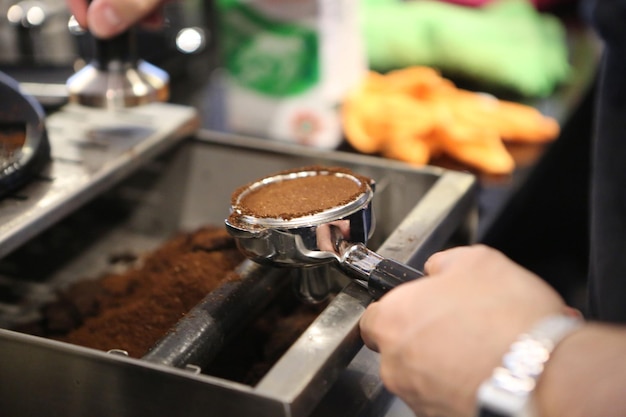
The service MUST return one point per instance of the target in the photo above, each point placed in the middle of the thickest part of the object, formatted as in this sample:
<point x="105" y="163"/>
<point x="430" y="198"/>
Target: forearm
<point x="586" y="375"/>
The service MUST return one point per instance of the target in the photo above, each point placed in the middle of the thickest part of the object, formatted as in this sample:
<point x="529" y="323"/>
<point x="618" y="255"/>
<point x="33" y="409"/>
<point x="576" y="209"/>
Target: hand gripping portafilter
<point x="337" y="234"/>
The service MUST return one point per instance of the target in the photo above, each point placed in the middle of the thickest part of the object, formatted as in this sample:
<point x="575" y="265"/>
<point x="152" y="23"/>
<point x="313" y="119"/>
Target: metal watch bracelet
<point x="507" y="393"/>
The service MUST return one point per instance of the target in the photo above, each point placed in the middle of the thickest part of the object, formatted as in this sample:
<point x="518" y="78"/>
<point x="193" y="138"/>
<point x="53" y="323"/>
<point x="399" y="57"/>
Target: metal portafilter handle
<point x="379" y="275"/>
<point x="116" y="77"/>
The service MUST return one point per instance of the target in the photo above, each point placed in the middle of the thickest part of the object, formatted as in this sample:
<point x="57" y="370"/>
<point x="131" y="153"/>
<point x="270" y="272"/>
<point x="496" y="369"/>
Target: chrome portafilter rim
<point x="255" y="223"/>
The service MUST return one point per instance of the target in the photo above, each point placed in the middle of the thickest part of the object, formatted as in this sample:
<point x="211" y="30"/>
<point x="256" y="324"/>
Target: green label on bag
<point x="273" y="58"/>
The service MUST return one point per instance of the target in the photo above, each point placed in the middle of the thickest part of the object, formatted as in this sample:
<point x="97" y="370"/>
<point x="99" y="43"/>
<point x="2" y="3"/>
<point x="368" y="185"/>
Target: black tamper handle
<point x="387" y="275"/>
<point x="120" y="48"/>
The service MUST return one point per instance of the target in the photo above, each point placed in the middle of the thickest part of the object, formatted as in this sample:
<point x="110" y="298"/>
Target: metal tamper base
<point x="116" y="78"/>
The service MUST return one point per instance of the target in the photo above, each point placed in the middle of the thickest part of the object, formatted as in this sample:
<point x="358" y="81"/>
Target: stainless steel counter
<point x="325" y="372"/>
<point x="91" y="150"/>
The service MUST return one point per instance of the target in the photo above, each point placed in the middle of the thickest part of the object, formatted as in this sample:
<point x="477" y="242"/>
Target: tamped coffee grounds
<point x="299" y="196"/>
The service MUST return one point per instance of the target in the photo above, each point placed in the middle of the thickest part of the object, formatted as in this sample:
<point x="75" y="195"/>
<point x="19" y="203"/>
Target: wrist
<point x="508" y="391"/>
<point x="586" y="374"/>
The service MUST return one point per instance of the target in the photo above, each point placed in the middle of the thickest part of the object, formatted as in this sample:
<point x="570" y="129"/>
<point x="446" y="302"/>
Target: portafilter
<point x="286" y="219"/>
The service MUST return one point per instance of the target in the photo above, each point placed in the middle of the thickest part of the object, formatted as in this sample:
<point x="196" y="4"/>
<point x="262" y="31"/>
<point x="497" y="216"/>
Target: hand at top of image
<point x="107" y="18"/>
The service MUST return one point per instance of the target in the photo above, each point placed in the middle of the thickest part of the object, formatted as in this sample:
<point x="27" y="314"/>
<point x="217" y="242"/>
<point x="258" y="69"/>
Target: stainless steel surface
<point x="91" y="151"/>
<point x="313" y="285"/>
<point x="419" y="211"/>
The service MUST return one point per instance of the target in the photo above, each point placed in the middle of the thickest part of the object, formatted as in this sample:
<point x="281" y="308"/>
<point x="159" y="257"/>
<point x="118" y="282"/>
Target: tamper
<point x="116" y="77"/>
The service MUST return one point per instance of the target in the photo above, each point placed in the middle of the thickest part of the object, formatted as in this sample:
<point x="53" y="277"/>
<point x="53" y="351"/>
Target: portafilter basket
<point x="335" y="234"/>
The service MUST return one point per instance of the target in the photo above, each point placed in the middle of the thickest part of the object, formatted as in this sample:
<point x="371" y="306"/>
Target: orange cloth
<point x="414" y="114"/>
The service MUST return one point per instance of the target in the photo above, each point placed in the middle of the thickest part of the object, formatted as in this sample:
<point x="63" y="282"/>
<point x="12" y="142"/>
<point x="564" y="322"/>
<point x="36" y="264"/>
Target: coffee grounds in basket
<point x="299" y="196"/>
<point x="12" y="138"/>
<point x="133" y="310"/>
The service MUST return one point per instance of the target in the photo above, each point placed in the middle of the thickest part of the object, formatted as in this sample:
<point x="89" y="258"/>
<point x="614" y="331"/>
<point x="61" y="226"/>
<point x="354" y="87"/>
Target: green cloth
<point x="506" y="43"/>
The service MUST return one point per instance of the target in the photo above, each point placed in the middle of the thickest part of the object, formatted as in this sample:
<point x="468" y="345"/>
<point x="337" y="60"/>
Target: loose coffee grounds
<point x="134" y="309"/>
<point x="253" y="352"/>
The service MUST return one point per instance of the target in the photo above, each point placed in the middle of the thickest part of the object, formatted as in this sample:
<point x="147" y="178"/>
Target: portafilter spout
<point x="312" y="216"/>
<point x="116" y="78"/>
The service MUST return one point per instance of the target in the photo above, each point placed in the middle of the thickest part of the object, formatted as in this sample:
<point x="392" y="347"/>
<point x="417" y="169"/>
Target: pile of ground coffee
<point x="261" y="343"/>
<point x="296" y="196"/>
<point x="134" y="309"/>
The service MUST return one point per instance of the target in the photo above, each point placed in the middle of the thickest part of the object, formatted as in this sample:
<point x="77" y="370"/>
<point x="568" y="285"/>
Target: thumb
<point x="107" y="18"/>
<point x="440" y="261"/>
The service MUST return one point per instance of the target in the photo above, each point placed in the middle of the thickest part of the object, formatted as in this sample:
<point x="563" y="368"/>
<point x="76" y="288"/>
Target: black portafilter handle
<point x="378" y="274"/>
<point x="387" y="275"/>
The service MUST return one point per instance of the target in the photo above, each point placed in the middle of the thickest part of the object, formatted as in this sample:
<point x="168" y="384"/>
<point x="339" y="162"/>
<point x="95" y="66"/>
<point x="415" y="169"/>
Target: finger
<point x="367" y="327"/>
<point x="439" y="261"/>
<point x="79" y="10"/>
<point x="573" y="312"/>
<point x="344" y="227"/>
<point x="154" y="20"/>
<point x="107" y="18"/>
<point x="324" y="239"/>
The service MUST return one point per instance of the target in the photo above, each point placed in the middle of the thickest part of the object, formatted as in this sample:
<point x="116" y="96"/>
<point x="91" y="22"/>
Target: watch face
<point x="486" y="412"/>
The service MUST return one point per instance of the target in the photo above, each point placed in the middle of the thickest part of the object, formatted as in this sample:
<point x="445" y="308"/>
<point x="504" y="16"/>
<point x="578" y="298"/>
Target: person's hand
<point x="440" y="336"/>
<point x="107" y="18"/>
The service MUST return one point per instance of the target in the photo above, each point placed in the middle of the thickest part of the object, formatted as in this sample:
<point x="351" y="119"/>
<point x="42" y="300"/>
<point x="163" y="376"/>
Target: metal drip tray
<point x="325" y="372"/>
<point x="92" y="149"/>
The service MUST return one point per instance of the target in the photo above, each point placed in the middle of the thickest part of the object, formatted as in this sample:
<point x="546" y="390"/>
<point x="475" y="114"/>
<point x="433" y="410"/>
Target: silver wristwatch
<point x="507" y="393"/>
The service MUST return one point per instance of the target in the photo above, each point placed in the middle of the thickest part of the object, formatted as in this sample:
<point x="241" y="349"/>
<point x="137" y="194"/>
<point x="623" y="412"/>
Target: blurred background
<point x="285" y="70"/>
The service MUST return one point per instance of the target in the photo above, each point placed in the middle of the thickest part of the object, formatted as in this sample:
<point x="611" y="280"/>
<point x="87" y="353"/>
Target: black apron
<point x="607" y="267"/>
